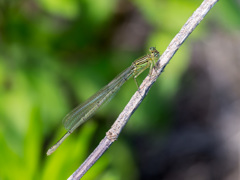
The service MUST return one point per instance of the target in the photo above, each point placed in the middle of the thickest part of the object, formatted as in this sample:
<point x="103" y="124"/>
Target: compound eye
<point x="151" y="49"/>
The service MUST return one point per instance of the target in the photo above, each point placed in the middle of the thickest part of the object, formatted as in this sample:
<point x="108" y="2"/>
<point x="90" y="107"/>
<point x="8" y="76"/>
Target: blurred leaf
<point x="65" y="8"/>
<point x="227" y="13"/>
<point x="62" y="163"/>
<point x="101" y="10"/>
<point x="33" y="145"/>
<point x="163" y="13"/>
<point x="122" y="162"/>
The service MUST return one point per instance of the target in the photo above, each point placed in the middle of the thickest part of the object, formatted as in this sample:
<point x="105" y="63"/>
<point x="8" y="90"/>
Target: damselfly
<point x="86" y="110"/>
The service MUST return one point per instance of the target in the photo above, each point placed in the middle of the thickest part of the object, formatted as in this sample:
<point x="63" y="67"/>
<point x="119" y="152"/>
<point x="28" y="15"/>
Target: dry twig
<point x="137" y="98"/>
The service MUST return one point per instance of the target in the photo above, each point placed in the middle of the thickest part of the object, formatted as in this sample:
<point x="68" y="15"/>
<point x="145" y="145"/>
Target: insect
<point x="86" y="110"/>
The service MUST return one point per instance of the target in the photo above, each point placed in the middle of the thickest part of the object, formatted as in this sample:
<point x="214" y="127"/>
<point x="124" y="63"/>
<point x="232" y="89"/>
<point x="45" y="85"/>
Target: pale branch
<point x="137" y="98"/>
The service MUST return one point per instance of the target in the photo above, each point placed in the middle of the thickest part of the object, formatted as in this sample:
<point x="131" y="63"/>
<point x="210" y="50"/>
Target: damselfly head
<point x="154" y="53"/>
<point x="151" y="49"/>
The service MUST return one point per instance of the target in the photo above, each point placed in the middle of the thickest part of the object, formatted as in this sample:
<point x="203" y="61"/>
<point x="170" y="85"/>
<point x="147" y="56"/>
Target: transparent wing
<point x="86" y="110"/>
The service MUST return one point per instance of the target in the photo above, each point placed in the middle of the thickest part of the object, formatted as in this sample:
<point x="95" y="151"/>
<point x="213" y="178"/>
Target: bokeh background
<point x="54" y="54"/>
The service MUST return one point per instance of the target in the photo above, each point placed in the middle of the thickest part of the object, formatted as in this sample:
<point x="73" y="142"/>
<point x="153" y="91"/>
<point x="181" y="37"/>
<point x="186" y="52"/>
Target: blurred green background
<point x="54" y="54"/>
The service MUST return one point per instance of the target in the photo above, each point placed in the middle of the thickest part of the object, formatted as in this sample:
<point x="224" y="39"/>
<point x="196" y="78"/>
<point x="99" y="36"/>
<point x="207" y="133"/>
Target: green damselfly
<point x="86" y="110"/>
